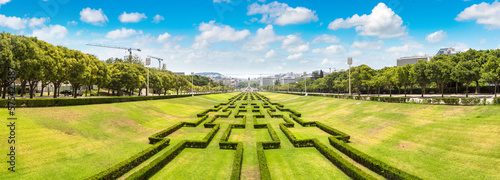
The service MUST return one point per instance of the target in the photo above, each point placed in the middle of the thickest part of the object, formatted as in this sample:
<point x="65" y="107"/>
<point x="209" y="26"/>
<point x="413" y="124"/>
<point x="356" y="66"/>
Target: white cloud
<point x="219" y="1"/>
<point x="368" y="45"/>
<point x="270" y="54"/>
<point x="295" y="56"/>
<point x="122" y="33"/>
<point x="325" y="38"/>
<point x="72" y="23"/>
<point x="12" y="22"/>
<point x="355" y="53"/>
<point x="261" y="41"/>
<point x="436" y="37"/>
<point x="211" y="33"/>
<point x="405" y="49"/>
<point x="459" y="46"/>
<point x="382" y="22"/>
<point x="51" y="32"/>
<point x="34" y="22"/>
<point x="2" y="2"/>
<point x="163" y="37"/>
<point x="131" y="17"/>
<point x="331" y="50"/>
<point x="281" y="14"/>
<point x="260" y="60"/>
<point x="484" y="13"/>
<point x="482" y="41"/>
<point x="327" y="62"/>
<point x="294" y="44"/>
<point x="93" y="16"/>
<point x="79" y="33"/>
<point x="158" y="18"/>
<point x="498" y="46"/>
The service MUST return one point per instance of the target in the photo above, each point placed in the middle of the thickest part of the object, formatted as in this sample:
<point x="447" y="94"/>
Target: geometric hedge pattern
<point x="247" y="111"/>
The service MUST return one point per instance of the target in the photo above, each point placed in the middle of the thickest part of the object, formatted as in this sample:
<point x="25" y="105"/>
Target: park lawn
<point x="75" y="142"/>
<point x="223" y="97"/>
<point x="430" y="141"/>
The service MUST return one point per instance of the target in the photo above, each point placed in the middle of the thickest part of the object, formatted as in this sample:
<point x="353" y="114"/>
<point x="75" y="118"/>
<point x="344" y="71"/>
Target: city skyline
<point x="249" y="38"/>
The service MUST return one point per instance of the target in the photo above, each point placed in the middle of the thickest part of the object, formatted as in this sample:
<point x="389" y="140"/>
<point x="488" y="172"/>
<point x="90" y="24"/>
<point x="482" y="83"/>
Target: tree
<point x="167" y="82"/>
<point x="103" y="76"/>
<point x="77" y="71"/>
<point x="491" y="71"/>
<point x="419" y="75"/>
<point x="403" y="74"/>
<point x="466" y="72"/>
<point x="439" y="70"/>
<point x="360" y="76"/>
<point x="32" y="62"/>
<point x="7" y="60"/>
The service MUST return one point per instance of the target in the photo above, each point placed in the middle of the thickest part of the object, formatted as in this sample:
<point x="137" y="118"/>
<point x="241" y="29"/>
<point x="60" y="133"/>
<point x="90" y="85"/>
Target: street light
<point x="349" y="61"/>
<point x="192" y="84"/>
<point x="148" y="62"/>
<point x="305" y="82"/>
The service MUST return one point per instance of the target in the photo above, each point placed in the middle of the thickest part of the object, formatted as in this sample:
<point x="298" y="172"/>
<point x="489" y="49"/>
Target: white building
<point x="266" y="81"/>
<point x="447" y="51"/>
<point x="412" y="60"/>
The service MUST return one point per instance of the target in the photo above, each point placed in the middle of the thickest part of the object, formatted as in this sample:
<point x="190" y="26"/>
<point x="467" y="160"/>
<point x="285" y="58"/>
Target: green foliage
<point x="375" y="165"/>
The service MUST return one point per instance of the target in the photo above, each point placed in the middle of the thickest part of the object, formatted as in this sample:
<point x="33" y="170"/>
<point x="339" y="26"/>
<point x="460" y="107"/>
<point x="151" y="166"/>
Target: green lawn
<point x="75" y="142"/>
<point x="429" y="141"/>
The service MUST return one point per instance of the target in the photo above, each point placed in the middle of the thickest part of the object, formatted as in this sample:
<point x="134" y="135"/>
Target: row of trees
<point x="38" y="61"/>
<point x="442" y="72"/>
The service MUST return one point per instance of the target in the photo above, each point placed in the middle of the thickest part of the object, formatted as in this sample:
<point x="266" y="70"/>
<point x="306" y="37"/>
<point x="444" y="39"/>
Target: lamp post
<point x="305" y="82"/>
<point x="192" y="84"/>
<point x="288" y="91"/>
<point x="349" y="61"/>
<point x="148" y="62"/>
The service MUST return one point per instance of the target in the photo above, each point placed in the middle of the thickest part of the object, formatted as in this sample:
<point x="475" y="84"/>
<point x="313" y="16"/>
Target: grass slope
<point x="430" y="141"/>
<point x="75" y="142"/>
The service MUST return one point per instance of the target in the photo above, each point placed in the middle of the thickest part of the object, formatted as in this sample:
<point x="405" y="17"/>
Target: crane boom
<point x="159" y="60"/>
<point x="129" y="49"/>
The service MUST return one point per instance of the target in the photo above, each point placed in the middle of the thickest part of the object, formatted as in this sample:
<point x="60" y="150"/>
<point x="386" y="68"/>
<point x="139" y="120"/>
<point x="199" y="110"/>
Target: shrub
<point x="334" y="132"/>
<point x="157" y="137"/>
<point x="261" y="157"/>
<point x="470" y="101"/>
<point x="448" y="101"/>
<point x="375" y="165"/>
<point x="238" y="161"/>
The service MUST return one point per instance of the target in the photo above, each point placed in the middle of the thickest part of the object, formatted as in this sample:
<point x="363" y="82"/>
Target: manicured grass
<point x="429" y="141"/>
<point x="199" y="164"/>
<point x="76" y="142"/>
<point x="301" y="163"/>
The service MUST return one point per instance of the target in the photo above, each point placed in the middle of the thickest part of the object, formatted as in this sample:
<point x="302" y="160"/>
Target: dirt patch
<point x="161" y="114"/>
<point x="250" y="173"/>
<point x="126" y="123"/>
<point x="406" y="145"/>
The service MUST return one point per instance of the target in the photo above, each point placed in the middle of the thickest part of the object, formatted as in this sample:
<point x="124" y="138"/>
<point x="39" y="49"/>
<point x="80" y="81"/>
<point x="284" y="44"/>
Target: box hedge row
<point x="373" y="164"/>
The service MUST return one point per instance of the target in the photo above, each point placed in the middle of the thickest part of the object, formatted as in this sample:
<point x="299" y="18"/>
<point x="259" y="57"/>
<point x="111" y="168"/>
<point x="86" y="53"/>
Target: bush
<point x="261" y="157"/>
<point x="302" y="122"/>
<point x="448" y="101"/>
<point x="470" y="101"/>
<point x="375" y="165"/>
<point x="496" y="101"/>
<point x="157" y="137"/>
<point x="238" y="161"/>
<point x="334" y="132"/>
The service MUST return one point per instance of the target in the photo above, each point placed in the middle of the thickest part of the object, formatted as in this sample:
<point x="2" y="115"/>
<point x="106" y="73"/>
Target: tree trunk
<point x="390" y="91"/>
<point x="32" y="89"/>
<point x="442" y="89"/>
<point x="23" y="87"/>
<point x="411" y="88"/>
<point x="41" y="92"/>
<point x="456" y="87"/>
<point x="423" y="88"/>
<point x="405" y="86"/>
<point x="98" y="89"/>
<point x="467" y="90"/>
<point x="496" y="83"/>
<point x="4" y="92"/>
<point x="477" y="86"/>
<point x="378" y="92"/>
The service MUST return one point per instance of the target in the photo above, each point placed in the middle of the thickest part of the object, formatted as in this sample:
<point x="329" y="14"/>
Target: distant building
<point x="412" y="60"/>
<point x="266" y="81"/>
<point x="447" y="51"/>
<point x="287" y="80"/>
<point x="179" y="73"/>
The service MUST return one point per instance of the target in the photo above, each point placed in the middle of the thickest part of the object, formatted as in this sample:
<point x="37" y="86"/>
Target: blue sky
<point x="248" y="37"/>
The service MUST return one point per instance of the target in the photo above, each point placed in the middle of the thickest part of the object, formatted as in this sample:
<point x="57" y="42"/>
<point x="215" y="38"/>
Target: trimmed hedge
<point x="157" y="137"/>
<point x="263" y="168"/>
<point x="334" y="132"/>
<point x="375" y="165"/>
<point x="160" y="162"/>
<point x="293" y="139"/>
<point x="344" y="165"/>
<point x="237" y="163"/>
<point x="470" y="101"/>
<point x="48" y="102"/>
<point x="275" y="142"/>
<point x="302" y="122"/>
<point x="123" y="167"/>
<point x="196" y="123"/>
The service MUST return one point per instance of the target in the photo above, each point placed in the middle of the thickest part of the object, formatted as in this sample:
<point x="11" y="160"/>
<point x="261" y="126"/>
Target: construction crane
<point x="159" y="60"/>
<point x="129" y="49"/>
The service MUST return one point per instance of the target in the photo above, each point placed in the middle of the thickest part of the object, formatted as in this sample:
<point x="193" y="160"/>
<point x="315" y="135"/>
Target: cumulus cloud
<point x="261" y="41"/>
<point x="281" y="14"/>
<point x="212" y="33"/>
<point x="131" y="17"/>
<point x="382" y="22"/>
<point x="459" y="46"/>
<point x="331" y="50"/>
<point x="325" y="38"/>
<point x="219" y="1"/>
<point x="51" y="32"/>
<point x="2" y="2"/>
<point x="295" y="56"/>
<point x="484" y="13"/>
<point x="355" y="53"/>
<point x="72" y="23"/>
<point x="327" y="62"/>
<point x="368" y="45"/>
<point x="270" y="54"/>
<point x="122" y="33"/>
<point x="406" y="49"/>
<point x="93" y="16"/>
<point x="294" y="44"/>
<point x="158" y="18"/>
<point x="436" y="37"/>
<point x="34" y="22"/>
<point x="12" y="22"/>
<point x="163" y="37"/>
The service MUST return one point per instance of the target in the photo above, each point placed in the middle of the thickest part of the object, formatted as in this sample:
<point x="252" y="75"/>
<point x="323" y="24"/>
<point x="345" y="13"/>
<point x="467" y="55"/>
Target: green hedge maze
<point x="250" y="137"/>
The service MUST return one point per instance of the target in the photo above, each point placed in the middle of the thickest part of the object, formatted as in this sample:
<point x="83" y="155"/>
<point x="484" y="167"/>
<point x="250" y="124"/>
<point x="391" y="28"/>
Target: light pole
<point x="288" y="91"/>
<point x="305" y="82"/>
<point x="349" y="61"/>
<point x="148" y="62"/>
<point x="192" y="84"/>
